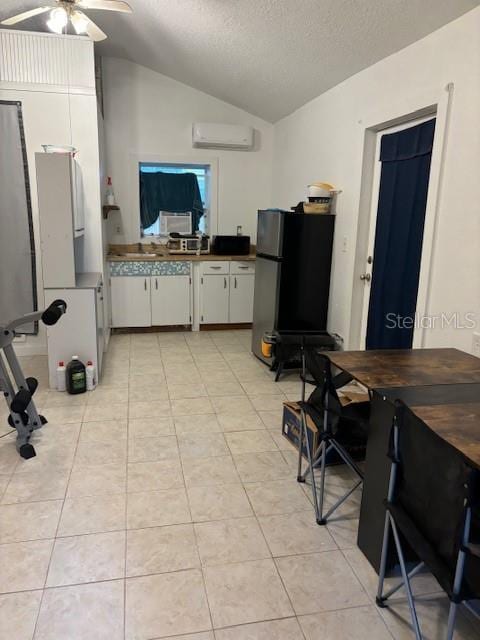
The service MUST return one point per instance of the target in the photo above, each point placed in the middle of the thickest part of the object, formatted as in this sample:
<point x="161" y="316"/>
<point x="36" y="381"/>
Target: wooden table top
<point x="458" y="424"/>
<point x="451" y="410"/>
<point x="408" y="367"/>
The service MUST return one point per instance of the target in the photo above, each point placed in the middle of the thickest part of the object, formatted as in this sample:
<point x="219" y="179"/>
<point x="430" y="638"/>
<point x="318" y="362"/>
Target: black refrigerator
<point x="292" y="273"/>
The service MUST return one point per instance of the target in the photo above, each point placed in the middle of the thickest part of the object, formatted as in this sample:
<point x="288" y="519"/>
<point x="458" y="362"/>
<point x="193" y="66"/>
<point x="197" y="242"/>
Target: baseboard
<point x="226" y="326"/>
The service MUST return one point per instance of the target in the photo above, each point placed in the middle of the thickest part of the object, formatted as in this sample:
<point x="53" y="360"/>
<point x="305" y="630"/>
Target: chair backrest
<point x="434" y="484"/>
<point x="325" y="394"/>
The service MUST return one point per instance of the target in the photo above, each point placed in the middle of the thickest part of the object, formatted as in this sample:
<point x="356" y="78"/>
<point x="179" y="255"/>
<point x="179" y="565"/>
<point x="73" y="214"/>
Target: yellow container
<point x="266" y="349"/>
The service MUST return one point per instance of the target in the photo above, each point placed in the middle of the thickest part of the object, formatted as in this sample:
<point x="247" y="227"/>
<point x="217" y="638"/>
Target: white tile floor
<point x="164" y="505"/>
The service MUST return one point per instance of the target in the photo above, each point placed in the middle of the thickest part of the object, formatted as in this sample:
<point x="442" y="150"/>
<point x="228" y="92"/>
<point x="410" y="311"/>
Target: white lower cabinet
<point x="170" y="300"/>
<point x="214" y="297"/>
<point x="161" y="294"/>
<point x="241" y="297"/>
<point x="131" y="301"/>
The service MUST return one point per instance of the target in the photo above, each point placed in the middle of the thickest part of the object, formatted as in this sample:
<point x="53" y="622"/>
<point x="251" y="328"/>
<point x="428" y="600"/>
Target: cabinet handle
<point x="243" y="267"/>
<point x="235" y="282"/>
<point x="212" y="267"/>
<point x="145" y="284"/>
<point x="156" y="284"/>
<point x="224" y="283"/>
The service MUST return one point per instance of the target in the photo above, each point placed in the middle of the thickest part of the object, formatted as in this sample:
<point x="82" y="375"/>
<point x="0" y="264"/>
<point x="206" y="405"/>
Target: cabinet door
<point x="131" y="301"/>
<point x="214" y="299"/>
<point x="241" y="298"/>
<point x="100" y="327"/>
<point x="170" y="300"/>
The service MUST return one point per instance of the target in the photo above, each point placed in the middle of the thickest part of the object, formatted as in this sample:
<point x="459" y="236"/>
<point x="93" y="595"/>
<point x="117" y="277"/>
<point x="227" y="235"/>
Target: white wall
<point x="56" y="88"/>
<point x="324" y="141"/>
<point x="150" y="114"/>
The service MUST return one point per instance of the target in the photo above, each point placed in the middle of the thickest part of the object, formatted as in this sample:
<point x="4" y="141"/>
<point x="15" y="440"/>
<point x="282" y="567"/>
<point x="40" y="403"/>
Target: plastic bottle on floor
<point x="91" y="377"/>
<point x="76" y="376"/>
<point x="61" y="376"/>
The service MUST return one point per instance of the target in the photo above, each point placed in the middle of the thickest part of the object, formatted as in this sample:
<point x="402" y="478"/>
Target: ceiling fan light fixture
<point x="79" y="22"/>
<point x="58" y="20"/>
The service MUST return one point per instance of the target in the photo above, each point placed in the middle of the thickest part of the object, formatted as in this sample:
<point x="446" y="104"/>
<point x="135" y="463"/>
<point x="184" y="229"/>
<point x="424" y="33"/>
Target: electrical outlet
<point x="118" y="229"/>
<point x="476" y="344"/>
<point x="345" y="244"/>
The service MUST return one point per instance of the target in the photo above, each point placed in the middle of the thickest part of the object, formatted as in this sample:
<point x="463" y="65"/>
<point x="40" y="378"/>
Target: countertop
<point x="167" y="257"/>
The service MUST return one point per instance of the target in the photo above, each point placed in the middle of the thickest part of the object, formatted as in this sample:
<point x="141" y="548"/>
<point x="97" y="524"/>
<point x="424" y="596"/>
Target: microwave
<point x="188" y="244"/>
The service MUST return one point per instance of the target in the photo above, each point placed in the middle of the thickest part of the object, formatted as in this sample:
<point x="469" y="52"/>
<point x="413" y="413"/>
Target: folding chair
<point x="336" y="427"/>
<point x="431" y="495"/>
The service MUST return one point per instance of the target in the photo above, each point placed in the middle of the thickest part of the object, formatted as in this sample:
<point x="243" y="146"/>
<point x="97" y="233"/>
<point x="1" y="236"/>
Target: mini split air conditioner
<point x="222" y="136"/>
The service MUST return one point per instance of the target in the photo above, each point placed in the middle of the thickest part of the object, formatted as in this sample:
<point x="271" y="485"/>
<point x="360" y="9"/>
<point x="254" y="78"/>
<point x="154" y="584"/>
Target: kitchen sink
<point x="138" y="255"/>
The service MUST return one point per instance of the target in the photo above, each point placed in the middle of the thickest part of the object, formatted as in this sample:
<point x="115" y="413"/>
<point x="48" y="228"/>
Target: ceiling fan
<point x="68" y="10"/>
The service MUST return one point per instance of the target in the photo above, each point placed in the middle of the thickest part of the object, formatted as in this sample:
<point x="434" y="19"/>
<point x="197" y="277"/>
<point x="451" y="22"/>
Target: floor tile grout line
<point x="124" y="617"/>
<point x="370" y="598"/>
<point x="56" y="532"/>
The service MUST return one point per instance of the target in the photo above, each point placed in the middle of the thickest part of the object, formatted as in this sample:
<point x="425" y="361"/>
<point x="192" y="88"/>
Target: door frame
<point x="429" y="104"/>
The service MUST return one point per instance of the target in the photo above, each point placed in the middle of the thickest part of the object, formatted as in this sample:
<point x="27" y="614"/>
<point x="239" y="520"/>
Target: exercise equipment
<point x="18" y="390"/>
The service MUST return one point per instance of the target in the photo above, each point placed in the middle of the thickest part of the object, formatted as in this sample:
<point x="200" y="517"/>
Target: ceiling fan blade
<point x="87" y="26"/>
<point x="25" y="15"/>
<point x="106" y="5"/>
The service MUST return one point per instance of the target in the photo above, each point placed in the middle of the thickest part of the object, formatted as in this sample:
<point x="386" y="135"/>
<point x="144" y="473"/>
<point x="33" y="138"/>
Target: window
<point x="180" y="221"/>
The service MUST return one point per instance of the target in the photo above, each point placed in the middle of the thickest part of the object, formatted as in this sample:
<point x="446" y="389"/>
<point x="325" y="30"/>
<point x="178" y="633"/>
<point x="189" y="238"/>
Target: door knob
<point x="366" y="277"/>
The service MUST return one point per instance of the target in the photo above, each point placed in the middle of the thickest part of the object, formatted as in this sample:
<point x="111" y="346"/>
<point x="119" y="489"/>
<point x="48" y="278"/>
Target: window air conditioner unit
<point x="175" y="222"/>
<point x="222" y="136"/>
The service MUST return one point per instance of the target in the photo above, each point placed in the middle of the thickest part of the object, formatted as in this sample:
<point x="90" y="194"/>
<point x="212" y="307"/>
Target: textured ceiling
<point x="266" y="56"/>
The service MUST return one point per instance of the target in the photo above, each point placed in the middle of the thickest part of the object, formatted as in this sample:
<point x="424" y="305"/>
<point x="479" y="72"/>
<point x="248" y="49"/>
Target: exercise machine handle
<point x="54" y="312"/>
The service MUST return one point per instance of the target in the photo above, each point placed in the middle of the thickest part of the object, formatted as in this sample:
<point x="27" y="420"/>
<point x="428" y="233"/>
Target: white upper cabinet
<point x="47" y="60"/>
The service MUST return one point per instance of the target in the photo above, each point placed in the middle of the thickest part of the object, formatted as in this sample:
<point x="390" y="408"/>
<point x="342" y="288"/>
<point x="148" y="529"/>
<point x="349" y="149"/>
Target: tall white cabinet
<point x="52" y="77"/>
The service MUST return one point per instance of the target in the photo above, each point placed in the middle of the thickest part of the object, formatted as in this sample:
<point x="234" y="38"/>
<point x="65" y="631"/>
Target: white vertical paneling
<point x="47" y="60"/>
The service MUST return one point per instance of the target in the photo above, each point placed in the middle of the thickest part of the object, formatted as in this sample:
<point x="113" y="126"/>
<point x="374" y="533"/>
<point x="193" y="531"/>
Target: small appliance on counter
<point x="188" y="243"/>
<point x="231" y="245"/>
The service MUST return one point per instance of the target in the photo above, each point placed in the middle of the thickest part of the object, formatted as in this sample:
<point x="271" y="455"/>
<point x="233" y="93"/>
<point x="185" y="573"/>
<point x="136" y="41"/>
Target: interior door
<point x="214" y="299"/>
<point x="378" y="245"/>
<point x="170" y="300"/>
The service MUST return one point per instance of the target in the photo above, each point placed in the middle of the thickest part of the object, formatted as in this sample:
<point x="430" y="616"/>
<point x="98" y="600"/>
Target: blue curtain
<point x="406" y="158"/>
<point x="175" y="192"/>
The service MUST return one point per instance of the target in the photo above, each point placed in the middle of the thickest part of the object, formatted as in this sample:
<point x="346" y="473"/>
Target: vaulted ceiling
<point x="265" y="56"/>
